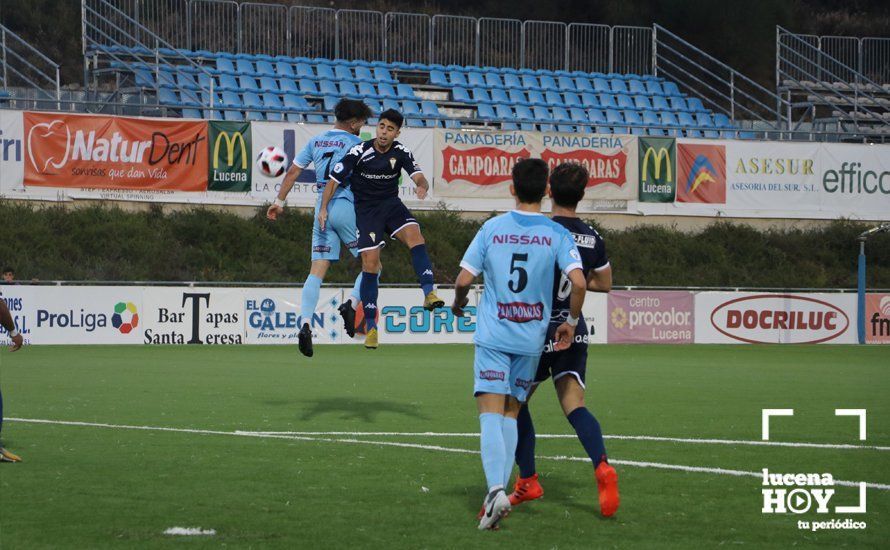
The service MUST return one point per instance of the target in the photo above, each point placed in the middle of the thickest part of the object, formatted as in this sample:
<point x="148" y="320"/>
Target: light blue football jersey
<point x="324" y="151"/>
<point x="516" y="253"/>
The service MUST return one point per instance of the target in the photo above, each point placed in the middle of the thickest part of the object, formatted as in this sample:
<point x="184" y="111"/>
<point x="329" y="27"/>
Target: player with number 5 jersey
<point x="325" y="151"/>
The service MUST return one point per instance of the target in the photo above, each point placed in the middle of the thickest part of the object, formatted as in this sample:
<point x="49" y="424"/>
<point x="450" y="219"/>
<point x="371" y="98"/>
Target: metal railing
<point x="829" y="81"/>
<point x="721" y="88"/>
<point x="845" y="57"/>
<point x="21" y="64"/>
<point x="301" y="31"/>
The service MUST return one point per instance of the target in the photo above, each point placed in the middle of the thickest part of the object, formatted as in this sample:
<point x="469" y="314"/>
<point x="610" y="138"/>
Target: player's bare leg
<point x="571" y="398"/>
<point x="411" y="237"/>
<point x="369" y="291"/>
<point x="309" y="301"/>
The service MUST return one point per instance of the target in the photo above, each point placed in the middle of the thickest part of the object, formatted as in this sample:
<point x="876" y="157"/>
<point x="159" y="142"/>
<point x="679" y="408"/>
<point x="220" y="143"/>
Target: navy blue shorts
<point x="572" y="361"/>
<point x="378" y="220"/>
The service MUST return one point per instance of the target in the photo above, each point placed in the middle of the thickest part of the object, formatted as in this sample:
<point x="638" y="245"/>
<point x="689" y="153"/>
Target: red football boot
<point x="607" y="484"/>
<point x="525" y="489"/>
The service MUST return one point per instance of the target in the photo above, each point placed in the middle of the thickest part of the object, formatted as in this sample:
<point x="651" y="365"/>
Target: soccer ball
<point x="271" y="161"/>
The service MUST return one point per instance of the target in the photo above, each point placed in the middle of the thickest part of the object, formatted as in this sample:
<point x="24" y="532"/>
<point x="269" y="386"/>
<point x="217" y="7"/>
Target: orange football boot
<point x="525" y="489"/>
<point x="607" y="484"/>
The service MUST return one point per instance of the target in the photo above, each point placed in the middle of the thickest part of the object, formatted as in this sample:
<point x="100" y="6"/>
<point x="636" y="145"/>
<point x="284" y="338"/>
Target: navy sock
<point x="368" y="293"/>
<point x="590" y="434"/>
<point x="423" y="268"/>
<point x="525" y="447"/>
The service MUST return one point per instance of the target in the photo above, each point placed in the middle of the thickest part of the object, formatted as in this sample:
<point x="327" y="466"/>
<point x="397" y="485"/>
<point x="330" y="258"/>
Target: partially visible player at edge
<point x="568" y="367"/>
<point x="8" y="323"/>
<point x="324" y="151"/>
<point x="516" y="253"/>
<point x="373" y="169"/>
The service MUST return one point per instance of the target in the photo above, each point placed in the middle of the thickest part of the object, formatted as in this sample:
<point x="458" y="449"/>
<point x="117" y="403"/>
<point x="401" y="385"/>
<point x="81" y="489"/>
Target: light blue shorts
<point x="504" y="373"/>
<point x="339" y="227"/>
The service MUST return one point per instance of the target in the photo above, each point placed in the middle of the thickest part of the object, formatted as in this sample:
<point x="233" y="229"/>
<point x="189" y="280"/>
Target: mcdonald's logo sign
<point x="658" y="169"/>
<point x="230" y="158"/>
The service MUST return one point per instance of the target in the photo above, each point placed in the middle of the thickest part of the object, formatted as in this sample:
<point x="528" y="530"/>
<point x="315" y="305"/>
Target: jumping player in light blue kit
<point x="515" y="252"/>
<point x="324" y="151"/>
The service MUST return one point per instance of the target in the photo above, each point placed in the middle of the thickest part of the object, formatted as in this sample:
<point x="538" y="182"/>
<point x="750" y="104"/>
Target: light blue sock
<point x="356" y="291"/>
<point x="492" y="442"/>
<point x="511" y="437"/>
<point x="309" y="300"/>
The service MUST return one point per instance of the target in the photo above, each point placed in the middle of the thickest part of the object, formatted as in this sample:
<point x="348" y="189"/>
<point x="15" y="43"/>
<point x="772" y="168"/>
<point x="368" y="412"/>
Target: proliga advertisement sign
<point x="752" y="318"/>
<point x="651" y="317"/>
<point x="877" y="318"/>
<point x="230" y="156"/>
<point x="658" y="169"/>
<point x="94" y="151"/>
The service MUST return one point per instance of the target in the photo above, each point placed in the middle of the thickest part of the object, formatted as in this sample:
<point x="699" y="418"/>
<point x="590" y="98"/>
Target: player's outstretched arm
<point x="461" y="292"/>
<point x="600" y="280"/>
<point x="566" y="331"/>
<point x="290" y="178"/>
<point x="423" y="186"/>
<point x="9" y="324"/>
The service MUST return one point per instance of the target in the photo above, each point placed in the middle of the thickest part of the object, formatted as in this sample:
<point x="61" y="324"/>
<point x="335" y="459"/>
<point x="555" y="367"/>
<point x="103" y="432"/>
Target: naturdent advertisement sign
<point x="230" y="156"/>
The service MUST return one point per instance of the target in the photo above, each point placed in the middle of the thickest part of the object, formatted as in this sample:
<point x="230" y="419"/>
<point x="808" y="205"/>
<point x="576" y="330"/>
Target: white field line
<point x="639" y="464"/>
<point x="756" y="443"/>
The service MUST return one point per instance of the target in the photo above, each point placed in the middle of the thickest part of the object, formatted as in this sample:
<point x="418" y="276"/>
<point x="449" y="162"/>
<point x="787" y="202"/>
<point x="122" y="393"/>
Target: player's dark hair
<point x="567" y="184"/>
<point x="530" y="180"/>
<point x="393" y="116"/>
<point x="347" y="109"/>
<point x="8" y="270"/>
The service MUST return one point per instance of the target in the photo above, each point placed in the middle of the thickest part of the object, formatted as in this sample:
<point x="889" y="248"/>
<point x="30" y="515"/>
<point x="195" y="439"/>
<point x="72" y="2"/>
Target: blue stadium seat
<point x="296" y="102"/>
<point x="670" y="120"/>
<point x="390" y="103"/>
<point x="327" y="87"/>
<point x="381" y="74"/>
<point x="632" y="117"/>
<point x="363" y="74"/>
<point x="542" y="114"/>
<point x="189" y="112"/>
<point x="614" y="117"/>
<point x="166" y="96"/>
<point x="480" y="95"/>
<point x="452" y="123"/>
<point x="166" y="78"/>
<point x="315" y="119"/>
<point x="414" y="123"/>
<point x="546" y="127"/>
<point x="528" y="126"/>
<point x="212" y="114"/>
<point x="651" y="119"/>
<point x="457" y="78"/>
<point x="405" y="91"/>
<point x="286" y="85"/>
<point x="566" y="128"/>
<point x="493" y="80"/>
<point x="607" y="101"/>
<point x="678" y="104"/>
<point x="566" y="84"/>
<point x="504" y="112"/>
<point x="582" y="84"/>
<point x="285" y="69"/>
<point x="460" y="94"/>
<point x="384" y="89"/>
<point x="689" y="125"/>
<point x="636" y="87"/>
<point x="524" y="113"/>
<point x="670" y="89"/>
<point x="244" y="67"/>
<point x="247" y="83"/>
<point x="659" y="103"/>
<point x="475" y="79"/>
<point x="308" y="87"/>
<point x="410" y="108"/>
<point x="485" y="112"/>
<point x="252" y="101"/>
<point x="653" y="87"/>
<point x="272" y="101"/>
<point x="438" y="78"/>
<point x="571" y="99"/>
<point x="553" y="98"/>
<point x="596" y="116"/>
<point x="233" y="116"/>
<point x="189" y="98"/>
<point x="695" y="105"/>
<point x="617" y="86"/>
<point x="499" y="95"/>
<point x="227" y="82"/>
<point x="561" y="115"/>
<point x="205" y="81"/>
<point x="601" y="85"/>
<point x="325" y="71"/>
<point x="625" y="102"/>
<point x="530" y="82"/>
<point x="548" y="83"/>
<point x="536" y="98"/>
<point x="328" y="102"/>
<point x="722" y="121"/>
<point x="517" y="97"/>
<point x="347" y="89"/>
<point x="304" y="70"/>
<point x="432" y="123"/>
<point x="186" y="81"/>
<point x="509" y="126"/>
<point x="429" y="109"/>
<point x="231" y="99"/>
<point x="589" y="99"/>
<point x="512" y="81"/>
<point x="343" y="72"/>
<point x="224" y="65"/>
<point x="367" y="90"/>
<point x="268" y="84"/>
<point x="705" y="120"/>
<point x="578" y="115"/>
<point x="265" y="68"/>
<point x="641" y="103"/>
<point x="374" y="105"/>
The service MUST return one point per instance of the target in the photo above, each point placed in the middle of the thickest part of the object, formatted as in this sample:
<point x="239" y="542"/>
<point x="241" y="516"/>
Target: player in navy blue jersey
<point x="372" y="170"/>
<point x="568" y="368"/>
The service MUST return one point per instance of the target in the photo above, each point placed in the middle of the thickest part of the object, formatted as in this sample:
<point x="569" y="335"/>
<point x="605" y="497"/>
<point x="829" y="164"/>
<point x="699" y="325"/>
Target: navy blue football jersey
<point x="372" y="175"/>
<point x="593" y="257"/>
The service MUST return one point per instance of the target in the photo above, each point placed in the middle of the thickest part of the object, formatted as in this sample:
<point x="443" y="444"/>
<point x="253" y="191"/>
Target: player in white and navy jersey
<point x="324" y="151"/>
<point x="568" y="368"/>
<point x="516" y="253"/>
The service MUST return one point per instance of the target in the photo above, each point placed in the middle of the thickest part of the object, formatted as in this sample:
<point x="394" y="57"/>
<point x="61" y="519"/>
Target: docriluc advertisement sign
<point x="104" y="152"/>
<point x="472" y="164"/>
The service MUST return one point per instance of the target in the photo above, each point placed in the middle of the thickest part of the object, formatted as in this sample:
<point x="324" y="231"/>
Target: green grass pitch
<point x="86" y="486"/>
